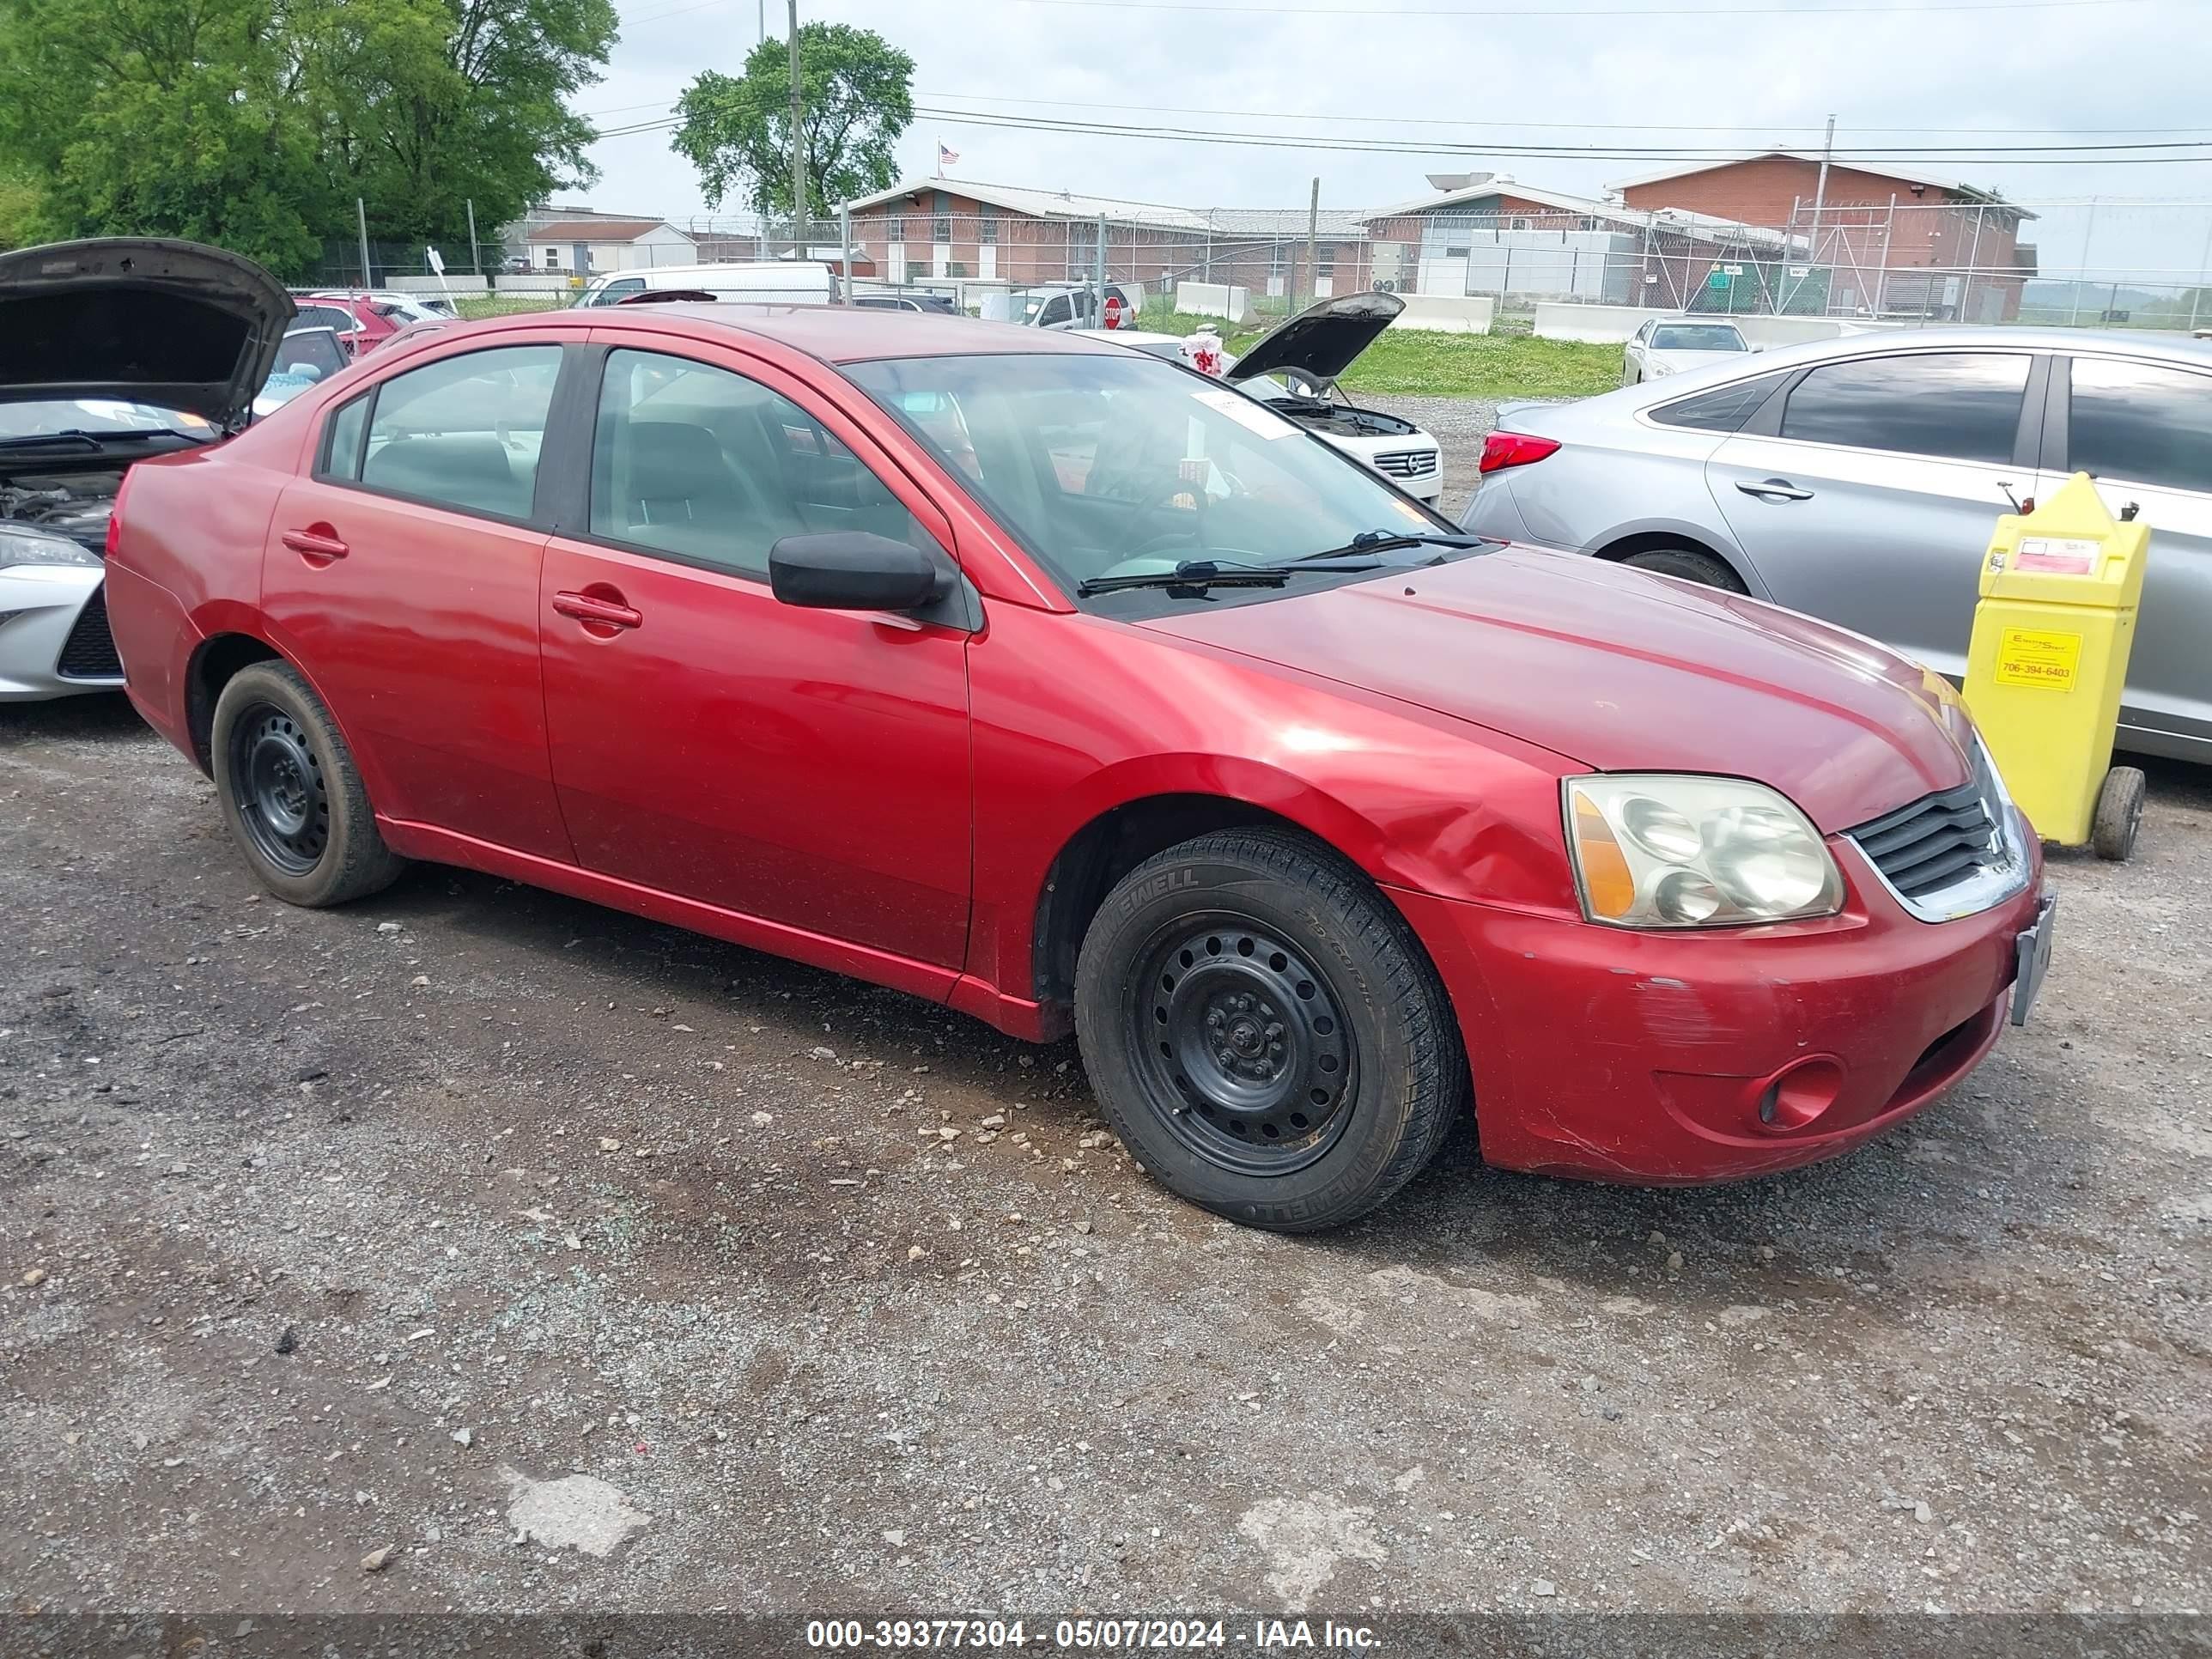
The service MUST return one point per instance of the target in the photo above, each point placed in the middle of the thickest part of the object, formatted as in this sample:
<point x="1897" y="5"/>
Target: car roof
<point x="832" y="334"/>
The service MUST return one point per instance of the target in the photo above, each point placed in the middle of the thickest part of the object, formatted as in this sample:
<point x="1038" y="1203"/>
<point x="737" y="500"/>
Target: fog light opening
<point x="1794" y="1098"/>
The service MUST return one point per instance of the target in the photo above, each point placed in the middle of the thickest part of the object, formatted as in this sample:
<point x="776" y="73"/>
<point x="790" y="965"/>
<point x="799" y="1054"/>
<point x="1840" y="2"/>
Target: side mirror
<point x="853" y="570"/>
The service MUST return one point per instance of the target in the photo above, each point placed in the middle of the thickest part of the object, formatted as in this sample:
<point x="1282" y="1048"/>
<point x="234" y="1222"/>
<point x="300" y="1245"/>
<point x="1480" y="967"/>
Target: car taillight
<point x="115" y="516"/>
<point x="1503" y="449"/>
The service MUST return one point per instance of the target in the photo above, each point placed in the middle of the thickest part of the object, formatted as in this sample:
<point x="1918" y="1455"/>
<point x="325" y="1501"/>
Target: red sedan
<point x="1063" y="686"/>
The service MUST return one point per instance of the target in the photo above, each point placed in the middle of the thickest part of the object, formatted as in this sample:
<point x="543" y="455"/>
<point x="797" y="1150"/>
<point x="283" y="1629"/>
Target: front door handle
<point x="317" y="544"/>
<point x="1774" y="489"/>
<point x="592" y="610"/>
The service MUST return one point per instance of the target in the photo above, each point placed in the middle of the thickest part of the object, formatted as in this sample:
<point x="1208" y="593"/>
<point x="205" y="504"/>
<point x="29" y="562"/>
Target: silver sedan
<point x="1859" y="480"/>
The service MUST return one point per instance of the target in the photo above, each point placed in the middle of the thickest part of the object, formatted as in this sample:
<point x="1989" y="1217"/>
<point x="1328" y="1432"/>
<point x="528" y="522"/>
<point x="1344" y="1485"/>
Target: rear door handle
<point x="1774" y="489"/>
<point x="315" y="545"/>
<point x="589" y="608"/>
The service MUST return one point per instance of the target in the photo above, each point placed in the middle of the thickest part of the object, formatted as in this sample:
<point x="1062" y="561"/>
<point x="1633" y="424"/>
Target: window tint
<point x="342" y="441"/>
<point x="613" y="293"/>
<point x="1724" y="409"/>
<point x="2140" y="423"/>
<point x="1962" y="405"/>
<point x="465" y="432"/>
<point x="1696" y="337"/>
<point x="1056" y="310"/>
<point x="695" y="461"/>
<point x="325" y="317"/>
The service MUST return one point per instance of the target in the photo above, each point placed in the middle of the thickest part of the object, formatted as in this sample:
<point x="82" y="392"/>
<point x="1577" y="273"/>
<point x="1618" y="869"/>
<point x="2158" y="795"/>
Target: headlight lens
<point x="21" y="545"/>
<point x="1662" y="850"/>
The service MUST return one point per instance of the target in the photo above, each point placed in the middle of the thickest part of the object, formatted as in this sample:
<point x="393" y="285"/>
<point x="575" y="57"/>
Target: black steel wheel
<point x="291" y="792"/>
<point x="283" y="803"/>
<point x="1241" y="1037"/>
<point x="1264" y="1031"/>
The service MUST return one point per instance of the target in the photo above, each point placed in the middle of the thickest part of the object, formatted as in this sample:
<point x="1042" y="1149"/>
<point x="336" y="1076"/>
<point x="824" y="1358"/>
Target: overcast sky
<point x="1636" y="81"/>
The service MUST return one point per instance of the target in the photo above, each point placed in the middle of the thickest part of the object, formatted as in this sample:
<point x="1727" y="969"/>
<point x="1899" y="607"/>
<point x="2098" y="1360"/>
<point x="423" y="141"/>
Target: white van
<point x="757" y="282"/>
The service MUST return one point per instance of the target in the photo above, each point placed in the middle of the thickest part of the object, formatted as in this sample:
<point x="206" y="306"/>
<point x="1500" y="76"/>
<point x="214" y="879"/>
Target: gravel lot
<point x="325" y="1235"/>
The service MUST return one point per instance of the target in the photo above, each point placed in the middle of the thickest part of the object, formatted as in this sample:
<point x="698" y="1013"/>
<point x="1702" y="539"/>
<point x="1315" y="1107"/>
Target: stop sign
<point x="1113" y="311"/>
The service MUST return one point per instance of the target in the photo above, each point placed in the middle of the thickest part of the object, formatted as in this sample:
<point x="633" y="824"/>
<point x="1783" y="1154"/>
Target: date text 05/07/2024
<point x="1109" y="1635"/>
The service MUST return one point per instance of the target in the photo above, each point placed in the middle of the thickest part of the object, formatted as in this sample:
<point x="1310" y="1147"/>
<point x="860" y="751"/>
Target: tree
<point x="175" y="118"/>
<point x="858" y="91"/>
<point x="426" y="105"/>
<point x="253" y="124"/>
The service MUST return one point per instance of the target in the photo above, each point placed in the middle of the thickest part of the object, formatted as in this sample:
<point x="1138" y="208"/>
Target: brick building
<point x="1883" y="241"/>
<point x="942" y="229"/>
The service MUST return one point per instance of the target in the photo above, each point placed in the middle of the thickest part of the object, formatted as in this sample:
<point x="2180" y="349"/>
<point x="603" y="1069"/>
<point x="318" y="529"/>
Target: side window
<point x="1643" y="333"/>
<point x="341" y="434"/>
<point x="465" y="432"/>
<point x="2141" y="422"/>
<point x="1959" y="405"/>
<point x="1724" y="409"/>
<point x="693" y="460"/>
<point x="615" y="292"/>
<point x="1057" y="310"/>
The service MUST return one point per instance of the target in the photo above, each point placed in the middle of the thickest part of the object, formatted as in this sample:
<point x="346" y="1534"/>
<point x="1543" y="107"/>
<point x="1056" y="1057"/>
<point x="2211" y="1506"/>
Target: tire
<point x="1691" y="564"/>
<point x="1310" y="1064"/>
<point x="291" y="794"/>
<point x="2119" y="814"/>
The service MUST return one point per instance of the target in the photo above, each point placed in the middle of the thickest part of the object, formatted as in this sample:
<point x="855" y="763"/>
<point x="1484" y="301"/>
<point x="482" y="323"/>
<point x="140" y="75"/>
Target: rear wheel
<point x="1691" y="564"/>
<point x="1264" y="1032"/>
<point x="291" y="793"/>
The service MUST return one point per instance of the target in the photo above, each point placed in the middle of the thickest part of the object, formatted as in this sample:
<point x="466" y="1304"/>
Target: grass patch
<point x="1417" y="363"/>
<point x="1421" y="362"/>
<point x="473" y="306"/>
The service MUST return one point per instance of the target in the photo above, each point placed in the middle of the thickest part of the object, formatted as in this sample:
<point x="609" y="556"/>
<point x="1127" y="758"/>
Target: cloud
<point x="1892" y="79"/>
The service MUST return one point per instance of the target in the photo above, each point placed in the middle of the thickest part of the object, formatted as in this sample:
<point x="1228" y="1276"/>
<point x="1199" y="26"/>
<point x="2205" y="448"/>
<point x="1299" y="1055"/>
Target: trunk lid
<point x="1321" y="341"/>
<point x="139" y="320"/>
<point x="1619" y="671"/>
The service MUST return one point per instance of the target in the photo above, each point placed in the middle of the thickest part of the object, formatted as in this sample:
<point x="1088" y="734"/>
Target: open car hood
<point x="1320" y="342"/>
<point x="139" y="320"/>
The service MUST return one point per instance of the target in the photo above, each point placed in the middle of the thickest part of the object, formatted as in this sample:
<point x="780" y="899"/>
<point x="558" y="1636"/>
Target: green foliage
<point x="857" y="96"/>
<point x="253" y="124"/>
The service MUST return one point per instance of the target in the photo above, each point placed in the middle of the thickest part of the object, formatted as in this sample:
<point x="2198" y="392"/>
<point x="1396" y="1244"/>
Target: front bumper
<point x="43" y="605"/>
<point x="1684" y="1059"/>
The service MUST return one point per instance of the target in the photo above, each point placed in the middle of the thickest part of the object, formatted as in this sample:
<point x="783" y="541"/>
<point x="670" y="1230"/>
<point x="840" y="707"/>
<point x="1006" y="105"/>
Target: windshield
<point x="1119" y="466"/>
<point x="95" y="415"/>
<point x="1697" y="337"/>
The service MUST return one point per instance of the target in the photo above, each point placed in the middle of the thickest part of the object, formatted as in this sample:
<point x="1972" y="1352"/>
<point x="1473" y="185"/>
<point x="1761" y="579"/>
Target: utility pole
<point x="360" y="217"/>
<point x="1820" y="195"/>
<point x="798" y="149"/>
<point x="476" y="263"/>
<point x="1313" y="240"/>
<point x="1098" y="277"/>
<point x="2088" y="232"/>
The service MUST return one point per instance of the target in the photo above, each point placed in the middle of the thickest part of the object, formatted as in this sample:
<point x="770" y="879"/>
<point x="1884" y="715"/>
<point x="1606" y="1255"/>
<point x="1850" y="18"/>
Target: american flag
<point x="947" y="157"/>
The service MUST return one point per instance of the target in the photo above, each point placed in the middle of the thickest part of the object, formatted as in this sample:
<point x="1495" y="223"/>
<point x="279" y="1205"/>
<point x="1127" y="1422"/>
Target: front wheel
<point x="1265" y="1033"/>
<point x="1691" y="564"/>
<point x="291" y="793"/>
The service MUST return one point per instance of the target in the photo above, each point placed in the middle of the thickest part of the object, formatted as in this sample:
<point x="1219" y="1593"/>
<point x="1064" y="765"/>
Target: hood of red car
<point x="139" y="320"/>
<point x="1619" y="671"/>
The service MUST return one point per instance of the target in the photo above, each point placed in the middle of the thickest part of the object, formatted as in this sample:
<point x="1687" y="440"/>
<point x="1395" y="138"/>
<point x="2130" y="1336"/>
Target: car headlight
<point x="1664" y="850"/>
<point x="21" y="545"/>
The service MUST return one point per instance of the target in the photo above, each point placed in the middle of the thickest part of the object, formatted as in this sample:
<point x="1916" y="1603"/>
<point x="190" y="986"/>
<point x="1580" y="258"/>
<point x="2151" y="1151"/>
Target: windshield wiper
<point x="1386" y="541"/>
<point x="89" y="439"/>
<point x="1217" y="573"/>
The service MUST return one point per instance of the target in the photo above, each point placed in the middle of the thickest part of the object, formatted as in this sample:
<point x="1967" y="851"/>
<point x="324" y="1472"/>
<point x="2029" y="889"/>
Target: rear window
<point x="1724" y="409"/>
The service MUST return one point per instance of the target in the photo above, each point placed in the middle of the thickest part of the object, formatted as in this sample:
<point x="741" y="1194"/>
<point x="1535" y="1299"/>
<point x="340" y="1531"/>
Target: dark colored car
<point x="1072" y="689"/>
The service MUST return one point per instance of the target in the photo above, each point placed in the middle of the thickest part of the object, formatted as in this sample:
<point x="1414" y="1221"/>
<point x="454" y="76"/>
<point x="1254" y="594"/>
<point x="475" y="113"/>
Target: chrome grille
<point x="1950" y="853"/>
<point x="1407" y="463"/>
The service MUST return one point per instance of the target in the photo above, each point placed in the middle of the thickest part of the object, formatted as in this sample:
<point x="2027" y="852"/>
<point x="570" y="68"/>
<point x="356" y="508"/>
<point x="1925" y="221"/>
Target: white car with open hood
<point x="1294" y="370"/>
<point x="111" y="351"/>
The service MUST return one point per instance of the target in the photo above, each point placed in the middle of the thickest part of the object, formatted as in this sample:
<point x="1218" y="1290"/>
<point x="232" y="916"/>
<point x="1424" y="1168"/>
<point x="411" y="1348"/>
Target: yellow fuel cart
<point x="2050" y="655"/>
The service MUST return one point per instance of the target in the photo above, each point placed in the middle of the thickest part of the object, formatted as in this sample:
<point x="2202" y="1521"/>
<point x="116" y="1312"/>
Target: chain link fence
<point x="2086" y="262"/>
